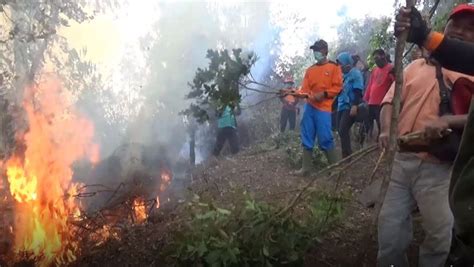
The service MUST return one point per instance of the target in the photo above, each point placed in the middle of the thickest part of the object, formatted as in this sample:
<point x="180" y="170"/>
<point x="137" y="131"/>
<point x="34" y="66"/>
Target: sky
<point x="107" y="35"/>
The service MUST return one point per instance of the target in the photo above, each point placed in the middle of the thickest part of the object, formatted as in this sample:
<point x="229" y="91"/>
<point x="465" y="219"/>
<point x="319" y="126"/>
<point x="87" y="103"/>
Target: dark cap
<point x="319" y="45"/>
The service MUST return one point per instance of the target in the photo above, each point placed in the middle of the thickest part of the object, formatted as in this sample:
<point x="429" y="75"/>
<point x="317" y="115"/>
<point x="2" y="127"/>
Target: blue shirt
<point x="353" y="80"/>
<point x="227" y="119"/>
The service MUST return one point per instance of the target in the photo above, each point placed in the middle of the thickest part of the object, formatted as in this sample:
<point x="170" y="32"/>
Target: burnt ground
<point x="265" y="175"/>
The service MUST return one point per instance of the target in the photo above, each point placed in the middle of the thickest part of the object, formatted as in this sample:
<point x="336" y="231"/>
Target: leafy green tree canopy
<point x="217" y="86"/>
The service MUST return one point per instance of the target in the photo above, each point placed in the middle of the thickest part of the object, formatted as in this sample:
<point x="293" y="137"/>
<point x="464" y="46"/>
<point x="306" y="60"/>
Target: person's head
<point x="461" y="23"/>
<point x="356" y="59"/>
<point x="346" y="61"/>
<point x="289" y="82"/>
<point x="320" y="50"/>
<point x="380" y="58"/>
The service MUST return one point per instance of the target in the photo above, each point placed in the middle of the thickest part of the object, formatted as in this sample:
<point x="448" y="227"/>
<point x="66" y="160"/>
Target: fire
<point x="165" y="180"/>
<point x="158" y="202"/>
<point x="139" y="208"/>
<point x="40" y="177"/>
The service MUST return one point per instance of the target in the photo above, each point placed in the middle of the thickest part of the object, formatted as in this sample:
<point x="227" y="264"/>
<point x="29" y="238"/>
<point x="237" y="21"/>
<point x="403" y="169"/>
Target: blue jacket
<point x="353" y="80"/>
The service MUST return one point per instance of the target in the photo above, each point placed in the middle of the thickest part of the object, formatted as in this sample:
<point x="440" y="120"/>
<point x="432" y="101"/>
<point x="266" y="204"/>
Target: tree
<point x="30" y="47"/>
<point x="218" y="86"/>
<point x="362" y="36"/>
<point x="382" y="38"/>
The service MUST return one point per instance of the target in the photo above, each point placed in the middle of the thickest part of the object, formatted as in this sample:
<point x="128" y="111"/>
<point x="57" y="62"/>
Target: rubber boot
<point x="307" y="163"/>
<point x="331" y="156"/>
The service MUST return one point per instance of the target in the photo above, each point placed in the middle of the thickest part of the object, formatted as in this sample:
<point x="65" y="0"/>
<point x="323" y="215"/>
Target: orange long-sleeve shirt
<point x="322" y="78"/>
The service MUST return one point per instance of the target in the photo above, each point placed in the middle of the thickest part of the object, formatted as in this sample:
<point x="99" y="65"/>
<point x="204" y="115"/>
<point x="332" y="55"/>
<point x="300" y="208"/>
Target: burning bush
<point x="53" y="214"/>
<point x="40" y="176"/>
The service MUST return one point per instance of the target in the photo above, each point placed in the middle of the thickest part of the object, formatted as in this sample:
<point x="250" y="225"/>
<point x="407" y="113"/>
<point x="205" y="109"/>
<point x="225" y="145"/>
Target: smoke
<point x="166" y="42"/>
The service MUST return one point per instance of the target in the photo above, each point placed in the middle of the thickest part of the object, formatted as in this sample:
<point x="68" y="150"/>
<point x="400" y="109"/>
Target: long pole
<point x="398" y="68"/>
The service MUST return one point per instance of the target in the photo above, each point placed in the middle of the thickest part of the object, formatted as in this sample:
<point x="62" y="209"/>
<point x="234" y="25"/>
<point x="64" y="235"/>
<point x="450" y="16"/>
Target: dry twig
<point x="356" y="157"/>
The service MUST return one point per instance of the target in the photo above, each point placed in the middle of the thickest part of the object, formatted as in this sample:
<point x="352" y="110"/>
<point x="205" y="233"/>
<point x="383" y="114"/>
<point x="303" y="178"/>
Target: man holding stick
<point x="419" y="178"/>
<point x="322" y="83"/>
<point x="457" y="55"/>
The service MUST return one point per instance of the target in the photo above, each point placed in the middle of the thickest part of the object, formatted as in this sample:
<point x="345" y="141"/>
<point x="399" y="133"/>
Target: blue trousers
<point x="316" y="123"/>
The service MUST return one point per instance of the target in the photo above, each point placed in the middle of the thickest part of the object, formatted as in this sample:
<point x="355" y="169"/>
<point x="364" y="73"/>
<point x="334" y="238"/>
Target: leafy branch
<point x="218" y="85"/>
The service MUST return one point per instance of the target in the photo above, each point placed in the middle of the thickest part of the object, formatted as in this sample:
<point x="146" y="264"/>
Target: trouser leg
<point x="376" y="116"/>
<point x="308" y="127"/>
<point x="345" y="125"/>
<point x="283" y="119"/>
<point x="323" y="130"/>
<point x="220" y="140"/>
<point x="394" y="223"/>
<point x="292" y="119"/>
<point x="431" y="191"/>
<point x="233" y="141"/>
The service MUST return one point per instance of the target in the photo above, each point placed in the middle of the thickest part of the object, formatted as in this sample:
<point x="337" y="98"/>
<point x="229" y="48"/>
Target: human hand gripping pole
<point x="411" y="22"/>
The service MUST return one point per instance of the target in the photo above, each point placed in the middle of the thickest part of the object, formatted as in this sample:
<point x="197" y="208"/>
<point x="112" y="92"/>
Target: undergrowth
<point x="290" y="142"/>
<point x="250" y="234"/>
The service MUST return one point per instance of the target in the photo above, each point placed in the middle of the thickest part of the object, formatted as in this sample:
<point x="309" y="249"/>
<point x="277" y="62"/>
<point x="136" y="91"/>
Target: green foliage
<point x="217" y="86"/>
<point x="441" y="18"/>
<point x="249" y="233"/>
<point x="382" y="38"/>
<point x="362" y="36"/>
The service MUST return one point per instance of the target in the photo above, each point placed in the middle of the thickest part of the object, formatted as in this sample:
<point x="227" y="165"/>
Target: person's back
<point x="226" y="119"/>
<point x="227" y="131"/>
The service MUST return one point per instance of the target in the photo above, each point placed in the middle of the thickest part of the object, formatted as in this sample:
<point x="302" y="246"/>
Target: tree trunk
<point x="192" y="148"/>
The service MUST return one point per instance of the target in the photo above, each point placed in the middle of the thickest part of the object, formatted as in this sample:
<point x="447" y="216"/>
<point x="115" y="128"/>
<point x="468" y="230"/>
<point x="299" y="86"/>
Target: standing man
<point x="289" y="109"/>
<point x="420" y="178"/>
<point x="457" y="55"/>
<point x="348" y="100"/>
<point x="227" y="130"/>
<point x="379" y="83"/>
<point x="322" y="82"/>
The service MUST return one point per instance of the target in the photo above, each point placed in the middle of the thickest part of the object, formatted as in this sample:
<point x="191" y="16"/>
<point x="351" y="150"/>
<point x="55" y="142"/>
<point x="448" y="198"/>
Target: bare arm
<point x="456" y="121"/>
<point x="385" y="122"/>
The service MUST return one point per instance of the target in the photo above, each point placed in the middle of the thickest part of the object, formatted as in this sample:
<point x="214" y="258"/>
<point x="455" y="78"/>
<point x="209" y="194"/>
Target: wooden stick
<point x="357" y="156"/>
<point x="398" y="67"/>
<point x="382" y="155"/>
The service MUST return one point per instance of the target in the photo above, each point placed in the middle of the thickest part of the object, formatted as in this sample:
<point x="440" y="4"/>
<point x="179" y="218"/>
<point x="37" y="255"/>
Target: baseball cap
<point x="462" y="8"/>
<point x="319" y="45"/>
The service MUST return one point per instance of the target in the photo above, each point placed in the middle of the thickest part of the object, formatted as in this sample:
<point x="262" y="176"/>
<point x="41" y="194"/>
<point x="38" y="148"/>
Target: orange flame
<point x="139" y="208"/>
<point x="40" y="179"/>
<point x="165" y="180"/>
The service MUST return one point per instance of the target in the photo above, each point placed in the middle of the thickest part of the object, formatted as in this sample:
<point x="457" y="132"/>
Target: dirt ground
<point x="264" y="175"/>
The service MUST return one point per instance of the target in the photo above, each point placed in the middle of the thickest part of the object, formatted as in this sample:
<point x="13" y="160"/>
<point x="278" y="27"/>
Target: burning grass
<point x="51" y="224"/>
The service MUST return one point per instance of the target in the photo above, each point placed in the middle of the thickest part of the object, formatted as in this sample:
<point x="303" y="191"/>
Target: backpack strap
<point x="444" y="93"/>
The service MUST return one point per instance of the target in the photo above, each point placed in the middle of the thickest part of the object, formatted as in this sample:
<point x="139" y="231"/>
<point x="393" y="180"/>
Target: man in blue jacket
<point x="348" y="100"/>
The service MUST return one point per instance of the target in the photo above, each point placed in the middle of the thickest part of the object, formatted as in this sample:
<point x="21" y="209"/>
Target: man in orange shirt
<point x="420" y="179"/>
<point x="289" y="109"/>
<point x="322" y="82"/>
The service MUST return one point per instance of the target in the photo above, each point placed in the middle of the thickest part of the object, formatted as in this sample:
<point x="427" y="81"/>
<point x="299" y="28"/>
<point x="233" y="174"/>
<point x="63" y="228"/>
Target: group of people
<point x="435" y="96"/>
<point x="434" y="102"/>
<point x="339" y="88"/>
